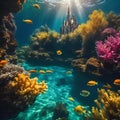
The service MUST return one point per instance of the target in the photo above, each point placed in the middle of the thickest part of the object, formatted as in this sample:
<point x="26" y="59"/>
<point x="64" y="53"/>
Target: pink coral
<point x="109" y="50"/>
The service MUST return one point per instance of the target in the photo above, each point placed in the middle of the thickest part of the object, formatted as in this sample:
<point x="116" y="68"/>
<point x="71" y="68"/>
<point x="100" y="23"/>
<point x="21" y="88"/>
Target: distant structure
<point x="69" y="24"/>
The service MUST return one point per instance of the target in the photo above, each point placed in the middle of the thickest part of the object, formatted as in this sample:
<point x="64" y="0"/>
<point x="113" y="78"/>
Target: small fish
<point x="28" y="21"/>
<point x="92" y="83"/>
<point x="71" y="99"/>
<point x="108" y="86"/>
<point x="68" y="72"/>
<point x="36" y="6"/>
<point x="3" y="62"/>
<point x="59" y="52"/>
<point x="49" y="71"/>
<point x="79" y="109"/>
<point x="32" y="71"/>
<point x="42" y="71"/>
<point x="84" y="93"/>
<point x="116" y="82"/>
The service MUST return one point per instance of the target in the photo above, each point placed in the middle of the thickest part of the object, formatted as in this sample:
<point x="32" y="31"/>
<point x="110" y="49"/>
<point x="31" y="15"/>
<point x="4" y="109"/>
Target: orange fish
<point x="3" y="62"/>
<point x="59" y="52"/>
<point x="117" y="82"/>
<point x="92" y="83"/>
<point x="36" y="6"/>
<point x="32" y="71"/>
<point x="28" y="21"/>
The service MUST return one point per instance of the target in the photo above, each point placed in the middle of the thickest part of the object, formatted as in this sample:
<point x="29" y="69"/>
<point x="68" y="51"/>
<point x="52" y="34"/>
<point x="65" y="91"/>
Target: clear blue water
<point x="57" y="92"/>
<point x="53" y="17"/>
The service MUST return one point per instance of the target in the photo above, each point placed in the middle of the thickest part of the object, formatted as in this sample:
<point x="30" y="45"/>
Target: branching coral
<point x="108" y="106"/>
<point x="109" y="51"/>
<point x="97" y="21"/>
<point x="17" y="90"/>
<point x="25" y="89"/>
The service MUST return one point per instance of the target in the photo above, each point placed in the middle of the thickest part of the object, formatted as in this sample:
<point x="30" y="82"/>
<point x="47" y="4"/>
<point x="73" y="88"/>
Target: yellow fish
<point x="59" y="52"/>
<point x="71" y="99"/>
<point x="42" y="71"/>
<point x="49" y="71"/>
<point x="92" y="83"/>
<point x="79" y="109"/>
<point x="28" y="21"/>
<point x="68" y="72"/>
<point x="36" y="6"/>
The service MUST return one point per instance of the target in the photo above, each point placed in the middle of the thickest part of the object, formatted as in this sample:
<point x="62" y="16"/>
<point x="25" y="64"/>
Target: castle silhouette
<point x="69" y="24"/>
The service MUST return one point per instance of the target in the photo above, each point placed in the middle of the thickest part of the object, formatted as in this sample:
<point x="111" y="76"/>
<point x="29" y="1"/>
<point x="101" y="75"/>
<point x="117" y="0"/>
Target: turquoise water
<point x="64" y="83"/>
<point x="57" y="92"/>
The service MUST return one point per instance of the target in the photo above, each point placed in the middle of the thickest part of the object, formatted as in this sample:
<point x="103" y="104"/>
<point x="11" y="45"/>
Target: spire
<point x="68" y="13"/>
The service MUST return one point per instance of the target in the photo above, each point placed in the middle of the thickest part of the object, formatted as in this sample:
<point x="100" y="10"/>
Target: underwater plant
<point x="109" y="50"/>
<point x="108" y="105"/>
<point x="97" y="22"/>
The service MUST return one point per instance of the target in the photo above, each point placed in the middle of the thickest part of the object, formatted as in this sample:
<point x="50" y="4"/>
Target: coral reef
<point x="60" y="112"/>
<point x="91" y="66"/>
<point x="108" y="105"/>
<point x="109" y="50"/>
<point x="44" y="46"/>
<point x="17" y="90"/>
<point x="7" y="27"/>
<point x="7" y="42"/>
<point x="10" y="6"/>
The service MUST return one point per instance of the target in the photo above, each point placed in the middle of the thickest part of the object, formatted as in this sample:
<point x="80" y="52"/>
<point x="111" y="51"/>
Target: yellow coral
<point x="108" y="105"/>
<point x="26" y="88"/>
<point x="42" y="35"/>
<point x="55" y="35"/>
<point x="96" y="23"/>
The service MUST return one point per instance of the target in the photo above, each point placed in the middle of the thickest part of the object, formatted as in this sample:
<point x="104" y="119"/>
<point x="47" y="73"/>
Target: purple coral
<point x="109" y="50"/>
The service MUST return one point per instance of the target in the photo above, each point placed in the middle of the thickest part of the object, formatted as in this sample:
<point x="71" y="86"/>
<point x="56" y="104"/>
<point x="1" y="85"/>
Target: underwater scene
<point x="59" y="59"/>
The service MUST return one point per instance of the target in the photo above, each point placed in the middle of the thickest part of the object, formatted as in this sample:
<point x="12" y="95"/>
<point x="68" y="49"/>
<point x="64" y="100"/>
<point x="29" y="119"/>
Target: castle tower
<point x="68" y="13"/>
<point x="69" y="24"/>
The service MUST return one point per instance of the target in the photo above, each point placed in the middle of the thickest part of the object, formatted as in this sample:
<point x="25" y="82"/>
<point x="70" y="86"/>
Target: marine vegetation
<point x="108" y="105"/>
<point x="113" y="20"/>
<point x="109" y="50"/>
<point x="17" y="89"/>
<point x="97" y="22"/>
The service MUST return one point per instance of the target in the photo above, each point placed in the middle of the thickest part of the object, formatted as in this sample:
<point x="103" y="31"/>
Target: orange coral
<point x="25" y="89"/>
<point x="24" y="85"/>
